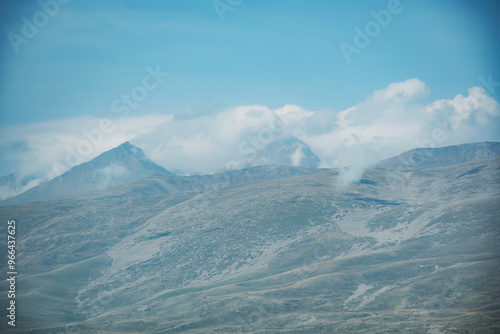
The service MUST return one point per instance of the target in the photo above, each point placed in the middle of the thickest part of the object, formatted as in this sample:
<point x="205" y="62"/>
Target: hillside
<point x="443" y="156"/>
<point x="412" y="250"/>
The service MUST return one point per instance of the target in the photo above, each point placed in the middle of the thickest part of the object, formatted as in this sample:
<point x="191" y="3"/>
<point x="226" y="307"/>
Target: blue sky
<point x="267" y="53"/>
<point x="264" y="52"/>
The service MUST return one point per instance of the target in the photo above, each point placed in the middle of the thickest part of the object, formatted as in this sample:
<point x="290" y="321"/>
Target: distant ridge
<point x="442" y="156"/>
<point x="128" y="163"/>
<point x="122" y="164"/>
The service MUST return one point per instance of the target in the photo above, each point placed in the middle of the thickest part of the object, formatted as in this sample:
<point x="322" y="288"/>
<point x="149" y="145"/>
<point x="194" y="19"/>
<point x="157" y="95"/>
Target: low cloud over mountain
<point x="122" y="164"/>
<point x="390" y="121"/>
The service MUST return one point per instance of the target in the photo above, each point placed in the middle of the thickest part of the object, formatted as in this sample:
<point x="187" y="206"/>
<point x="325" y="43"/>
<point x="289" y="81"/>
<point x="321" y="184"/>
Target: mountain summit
<point x="133" y="158"/>
<point x="122" y="164"/>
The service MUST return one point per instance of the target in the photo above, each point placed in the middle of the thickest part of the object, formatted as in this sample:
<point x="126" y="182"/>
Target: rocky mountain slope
<point x="443" y="156"/>
<point x="408" y="251"/>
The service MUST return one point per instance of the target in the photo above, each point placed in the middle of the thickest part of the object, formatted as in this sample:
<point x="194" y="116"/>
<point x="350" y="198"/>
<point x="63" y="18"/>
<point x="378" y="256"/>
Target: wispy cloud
<point x="109" y="173"/>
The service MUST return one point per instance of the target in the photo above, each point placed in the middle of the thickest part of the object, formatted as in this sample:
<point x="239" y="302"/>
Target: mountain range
<point x="127" y="163"/>
<point x="410" y="248"/>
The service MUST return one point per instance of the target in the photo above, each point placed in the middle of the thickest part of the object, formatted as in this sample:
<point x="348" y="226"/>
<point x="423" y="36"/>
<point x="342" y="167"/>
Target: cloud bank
<point x="389" y="121"/>
<point x="395" y="119"/>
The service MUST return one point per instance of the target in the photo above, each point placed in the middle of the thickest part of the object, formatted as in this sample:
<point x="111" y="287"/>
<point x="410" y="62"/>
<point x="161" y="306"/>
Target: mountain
<point x="127" y="163"/>
<point x="288" y="151"/>
<point x="122" y="164"/>
<point x="444" y="156"/>
<point x="403" y="251"/>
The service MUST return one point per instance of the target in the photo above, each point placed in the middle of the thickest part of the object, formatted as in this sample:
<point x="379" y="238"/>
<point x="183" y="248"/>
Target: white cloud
<point x="109" y="173"/>
<point x="297" y="156"/>
<point x="388" y="122"/>
<point x="17" y="186"/>
<point x="477" y="107"/>
<point x="400" y="91"/>
<point x="208" y="143"/>
<point x="394" y="120"/>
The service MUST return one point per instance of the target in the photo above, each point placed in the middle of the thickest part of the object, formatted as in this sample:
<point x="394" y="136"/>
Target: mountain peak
<point x="128" y="148"/>
<point x="122" y="164"/>
<point x="126" y="144"/>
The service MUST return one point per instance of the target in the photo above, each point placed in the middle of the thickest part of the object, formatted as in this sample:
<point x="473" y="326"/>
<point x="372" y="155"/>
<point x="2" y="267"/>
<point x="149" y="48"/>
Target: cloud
<point x="297" y="156"/>
<point x="388" y="122"/>
<point x="395" y="119"/>
<point x="107" y="174"/>
<point x="477" y="108"/>
<point x="208" y="143"/>
<point x="400" y="92"/>
<point x="13" y="185"/>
